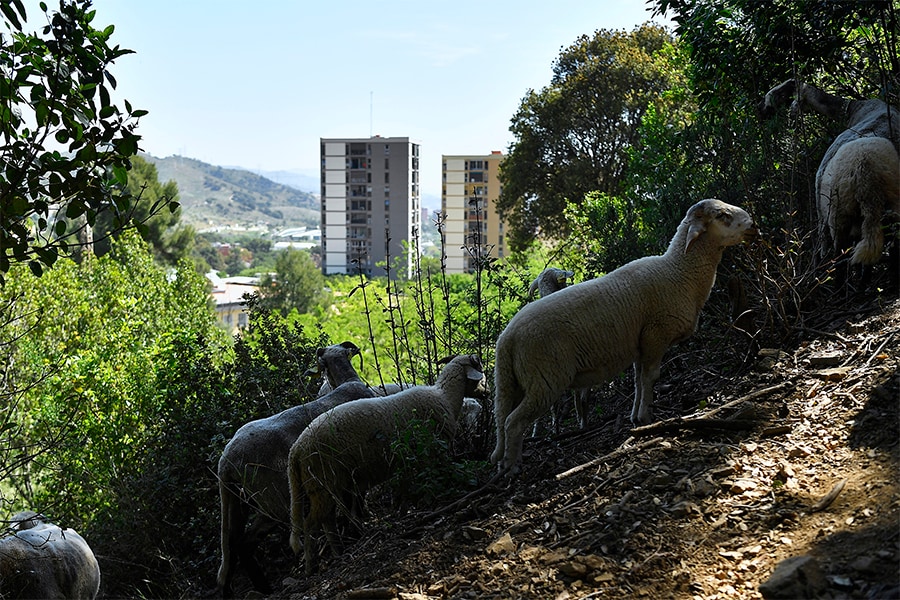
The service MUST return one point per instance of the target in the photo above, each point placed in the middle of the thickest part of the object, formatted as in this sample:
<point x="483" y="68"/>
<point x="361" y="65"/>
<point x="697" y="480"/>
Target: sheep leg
<point x="581" y="398"/>
<point x="321" y="511"/>
<point x="247" y="552"/>
<point x="646" y="373"/>
<point x="234" y="519"/>
<point x="529" y="410"/>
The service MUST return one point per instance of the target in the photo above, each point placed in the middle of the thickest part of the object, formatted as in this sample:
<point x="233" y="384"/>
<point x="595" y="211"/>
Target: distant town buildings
<point x="228" y="294"/>
<point x="298" y="238"/>
<point x="472" y="226"/>
<point x="370" y="203"/>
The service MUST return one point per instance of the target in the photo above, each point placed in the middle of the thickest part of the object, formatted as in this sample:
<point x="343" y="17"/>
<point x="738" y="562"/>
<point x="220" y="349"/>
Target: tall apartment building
<point x="471" y="187"/>
<point x="370" y="194"/>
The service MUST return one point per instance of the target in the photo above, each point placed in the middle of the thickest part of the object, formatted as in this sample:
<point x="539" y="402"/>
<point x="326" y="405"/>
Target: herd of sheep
<point x="311" y="465"/>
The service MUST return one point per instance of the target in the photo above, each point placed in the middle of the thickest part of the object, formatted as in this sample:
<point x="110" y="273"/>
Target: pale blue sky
<point x="256" y="84"/>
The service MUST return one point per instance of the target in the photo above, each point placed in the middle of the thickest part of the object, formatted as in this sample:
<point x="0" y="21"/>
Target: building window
<point x="387" y="164"/>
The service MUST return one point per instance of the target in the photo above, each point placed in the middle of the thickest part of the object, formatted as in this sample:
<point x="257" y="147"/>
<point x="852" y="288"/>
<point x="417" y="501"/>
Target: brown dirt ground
<point x="704" y="503"/>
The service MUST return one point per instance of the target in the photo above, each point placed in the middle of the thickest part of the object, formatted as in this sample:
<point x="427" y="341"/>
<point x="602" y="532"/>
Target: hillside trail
<point x="788" y="461"/>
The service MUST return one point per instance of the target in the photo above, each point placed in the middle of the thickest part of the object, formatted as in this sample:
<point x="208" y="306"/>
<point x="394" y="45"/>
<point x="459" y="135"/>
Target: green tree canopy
<point x="573" y="136"/>
<point x="65" y="145"/>
<point x="297" y="283"/>
<point x="170" y="241"/>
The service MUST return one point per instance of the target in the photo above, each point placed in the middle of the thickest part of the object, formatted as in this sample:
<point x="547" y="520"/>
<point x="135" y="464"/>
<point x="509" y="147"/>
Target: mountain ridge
<point x="222" y="197"/>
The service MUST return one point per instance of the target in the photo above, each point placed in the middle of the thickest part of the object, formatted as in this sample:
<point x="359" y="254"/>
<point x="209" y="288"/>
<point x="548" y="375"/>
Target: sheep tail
<point x="881" y="189"/>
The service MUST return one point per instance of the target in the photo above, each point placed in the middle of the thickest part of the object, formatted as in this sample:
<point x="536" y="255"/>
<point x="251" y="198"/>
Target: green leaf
<point x="36" y="268"/>
<point x="61" y="228"/>
<point x="11" y="16"/>
<point x="121" y="175"/>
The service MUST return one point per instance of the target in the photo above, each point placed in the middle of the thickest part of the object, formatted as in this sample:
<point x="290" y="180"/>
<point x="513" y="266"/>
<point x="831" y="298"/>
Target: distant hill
<point x="214" y="196"/>
<point x="302" y="180"/>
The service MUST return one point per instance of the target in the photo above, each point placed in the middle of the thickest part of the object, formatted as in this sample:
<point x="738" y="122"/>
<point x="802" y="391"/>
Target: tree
<point x="170" y="241"/>
<point x="573" y="136"/>
<point x="65" y="145"/>
<point x="297" y="283"/>
<point x="742" y="48"/>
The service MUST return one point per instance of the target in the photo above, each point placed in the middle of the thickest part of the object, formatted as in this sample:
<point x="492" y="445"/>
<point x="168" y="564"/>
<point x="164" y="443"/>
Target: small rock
<point x="572" y="568"/>
<point x="830" y="358"/>
<point x="740" y="486"/>
<point x="593" y="562"/>
<point x="795" y="577"/>
<point x="682" y="509"/>
<point x="835" y="374"/>
<point x="474" y="533"/>
<point x="503" y="545"/>
<point x="604" y="577"/>
<point x="865" y="564"/>
<point x="841" y="582"/>
<point x="554" y="556"/>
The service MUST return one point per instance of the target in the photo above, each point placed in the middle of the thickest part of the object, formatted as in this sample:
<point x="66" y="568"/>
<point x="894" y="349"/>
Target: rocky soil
<point x="777" y="477"/>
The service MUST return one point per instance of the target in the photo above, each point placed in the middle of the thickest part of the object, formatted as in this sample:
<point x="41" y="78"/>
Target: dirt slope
<point x="797" y="455"/>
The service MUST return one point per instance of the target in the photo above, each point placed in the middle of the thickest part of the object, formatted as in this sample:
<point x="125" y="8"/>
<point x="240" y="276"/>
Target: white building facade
<point x="370" y="204"/>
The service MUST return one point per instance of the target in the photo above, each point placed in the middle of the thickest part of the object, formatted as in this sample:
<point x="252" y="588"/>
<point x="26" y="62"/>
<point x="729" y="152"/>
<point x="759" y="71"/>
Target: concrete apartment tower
<point x="471" y="183"/>
<point x="370" y="194"/>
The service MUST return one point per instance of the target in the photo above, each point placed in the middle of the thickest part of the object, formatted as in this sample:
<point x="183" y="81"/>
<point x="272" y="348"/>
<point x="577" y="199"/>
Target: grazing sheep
<point x="858" y="180"/>
<point x="253" y="476"/>
<point x="548" y="281"/>
<point x="587" y="333"/>
<point x="347" y="450"/>
<point x="334" y="364"/>
<point x="40" y="560"/>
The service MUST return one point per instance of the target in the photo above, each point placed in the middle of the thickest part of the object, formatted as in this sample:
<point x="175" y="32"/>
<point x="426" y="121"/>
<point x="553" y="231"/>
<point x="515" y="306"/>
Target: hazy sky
<point x="256" y="84"/>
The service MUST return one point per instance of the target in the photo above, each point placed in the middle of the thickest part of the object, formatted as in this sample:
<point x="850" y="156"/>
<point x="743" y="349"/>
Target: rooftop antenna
<point x="371" y="97"/>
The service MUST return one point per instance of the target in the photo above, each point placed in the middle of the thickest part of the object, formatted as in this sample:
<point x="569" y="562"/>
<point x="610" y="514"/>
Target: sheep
<point x="252" y="476"/>
<point x="858" y="189"/>
<point x="587" y="333"/>
<point x="41" y="560"/>
<point x="548" y="281"/>
<point x="334" y="366"/>
<point x="858" y="179"/>
<point x="333" y="362"/>
<point x="347" y="450"/>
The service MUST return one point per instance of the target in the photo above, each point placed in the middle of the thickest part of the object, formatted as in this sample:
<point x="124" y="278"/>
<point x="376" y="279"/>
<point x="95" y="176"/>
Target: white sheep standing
<point x="41" y="560"/>
<point x="858" y="180"/>
<point x="347" y="450"/>
<point x="585" y="334"/>
<point x="252" y="476"/>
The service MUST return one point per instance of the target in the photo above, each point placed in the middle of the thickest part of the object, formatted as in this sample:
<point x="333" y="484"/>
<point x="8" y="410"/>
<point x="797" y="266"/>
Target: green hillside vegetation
<point x="214" y="196"/>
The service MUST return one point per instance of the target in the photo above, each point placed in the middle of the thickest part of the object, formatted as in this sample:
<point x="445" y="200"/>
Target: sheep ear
<point x="353" y="348"/>
<point x="473" y="374"/>
<point x="697" y="227"/>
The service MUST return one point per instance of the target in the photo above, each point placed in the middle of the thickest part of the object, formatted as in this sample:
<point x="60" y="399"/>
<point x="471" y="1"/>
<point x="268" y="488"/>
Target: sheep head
<point x="727" y="224"/>
<point x="550" y="280"/>
<point x="346" y="349"/>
